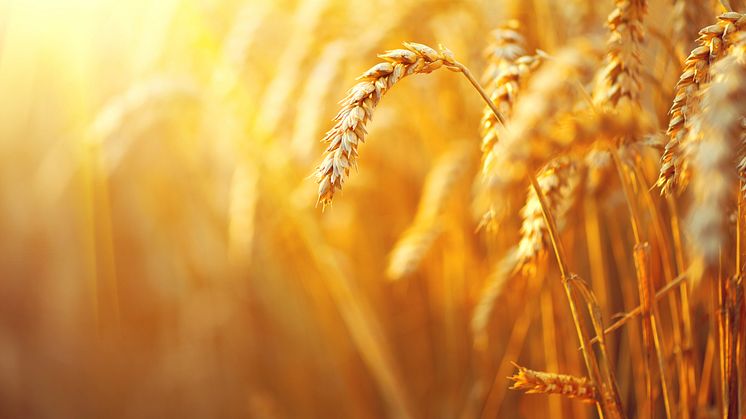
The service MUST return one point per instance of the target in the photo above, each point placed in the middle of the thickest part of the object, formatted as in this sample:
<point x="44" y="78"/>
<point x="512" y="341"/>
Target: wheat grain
<point x="712" y="43"/>
<point x="357" y="110"/>
<point x="534" y="382"/>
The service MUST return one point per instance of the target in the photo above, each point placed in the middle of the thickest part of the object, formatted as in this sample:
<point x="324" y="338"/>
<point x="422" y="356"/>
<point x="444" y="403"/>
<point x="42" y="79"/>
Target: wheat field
<point x="372" y="209"/>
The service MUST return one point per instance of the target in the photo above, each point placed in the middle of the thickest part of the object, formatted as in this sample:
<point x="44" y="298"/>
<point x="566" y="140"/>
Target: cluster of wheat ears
<point x="578" y="127"/>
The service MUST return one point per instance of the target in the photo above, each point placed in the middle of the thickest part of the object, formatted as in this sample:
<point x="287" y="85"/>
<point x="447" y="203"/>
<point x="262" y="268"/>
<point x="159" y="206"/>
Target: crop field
<point x="365" y="209"/>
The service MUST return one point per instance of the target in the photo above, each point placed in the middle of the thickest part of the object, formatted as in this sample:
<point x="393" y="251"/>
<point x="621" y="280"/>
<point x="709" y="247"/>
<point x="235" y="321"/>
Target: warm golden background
<point x="161" y="251"/>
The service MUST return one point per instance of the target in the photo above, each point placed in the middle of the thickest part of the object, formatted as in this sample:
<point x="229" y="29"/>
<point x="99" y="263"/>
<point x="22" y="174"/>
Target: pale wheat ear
<point x="440" y="186"/>
<point x="714" y="139"/>
<point x="508" y="68"/>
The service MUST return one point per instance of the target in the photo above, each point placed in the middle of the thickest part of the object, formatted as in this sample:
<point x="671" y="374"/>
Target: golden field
<point x="170" y="246"/>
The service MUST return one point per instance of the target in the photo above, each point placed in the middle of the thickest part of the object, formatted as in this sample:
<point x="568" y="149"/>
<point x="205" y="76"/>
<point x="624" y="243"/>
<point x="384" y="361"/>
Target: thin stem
<point x="559" y="251"/>
<point x="606" y="405"/>
<point x="679" y="280"/>
<point x="465" y="71"/>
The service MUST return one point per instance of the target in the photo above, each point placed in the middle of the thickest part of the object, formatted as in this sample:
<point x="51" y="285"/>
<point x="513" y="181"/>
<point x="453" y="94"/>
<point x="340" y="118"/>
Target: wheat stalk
<point x="712" y="43"/>
<point x="535" y="382"/>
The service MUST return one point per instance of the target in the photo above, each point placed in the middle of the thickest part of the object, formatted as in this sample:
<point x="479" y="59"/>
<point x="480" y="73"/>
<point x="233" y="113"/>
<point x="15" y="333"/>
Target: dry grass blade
<point x="536" y="382"/>
<point x="713" y="42"/>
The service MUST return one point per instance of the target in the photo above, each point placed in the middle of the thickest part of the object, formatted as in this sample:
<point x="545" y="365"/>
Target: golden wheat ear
<point x="358" y="106"/>
<point x="621" y="75"/>
<point x="507" y="70"/>
<point x="536" y="382"/>
<point x="712" y="44"/>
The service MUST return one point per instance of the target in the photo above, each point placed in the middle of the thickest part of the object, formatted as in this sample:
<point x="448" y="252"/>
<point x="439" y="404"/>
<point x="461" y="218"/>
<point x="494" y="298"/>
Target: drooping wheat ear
<point x="439" y="187"/>
<point x="713" y="41"/>
<point x="534" y="382"/>
<point x="525" y="144"/>
<point x="357" y="110"/>
<point x="715" y="138"/>
<point x="621" y="75"/>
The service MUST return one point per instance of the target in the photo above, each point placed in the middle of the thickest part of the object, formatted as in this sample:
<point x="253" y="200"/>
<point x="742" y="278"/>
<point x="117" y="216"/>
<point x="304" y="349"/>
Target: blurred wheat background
<point x="163" y="253"/>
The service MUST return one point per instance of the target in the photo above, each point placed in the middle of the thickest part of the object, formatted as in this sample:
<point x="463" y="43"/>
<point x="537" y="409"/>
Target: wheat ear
<point x="534" y="382"/>
<point x="505" y="47"/>
<point x="715" y="138"/>
<point x="558" y="181"/>
<point x="357" y="109"/>
<point x="440" y="185"/>
<point x="621" y="75"/>
<point x="526" y="144"/>
<point x="712" y="43"/>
